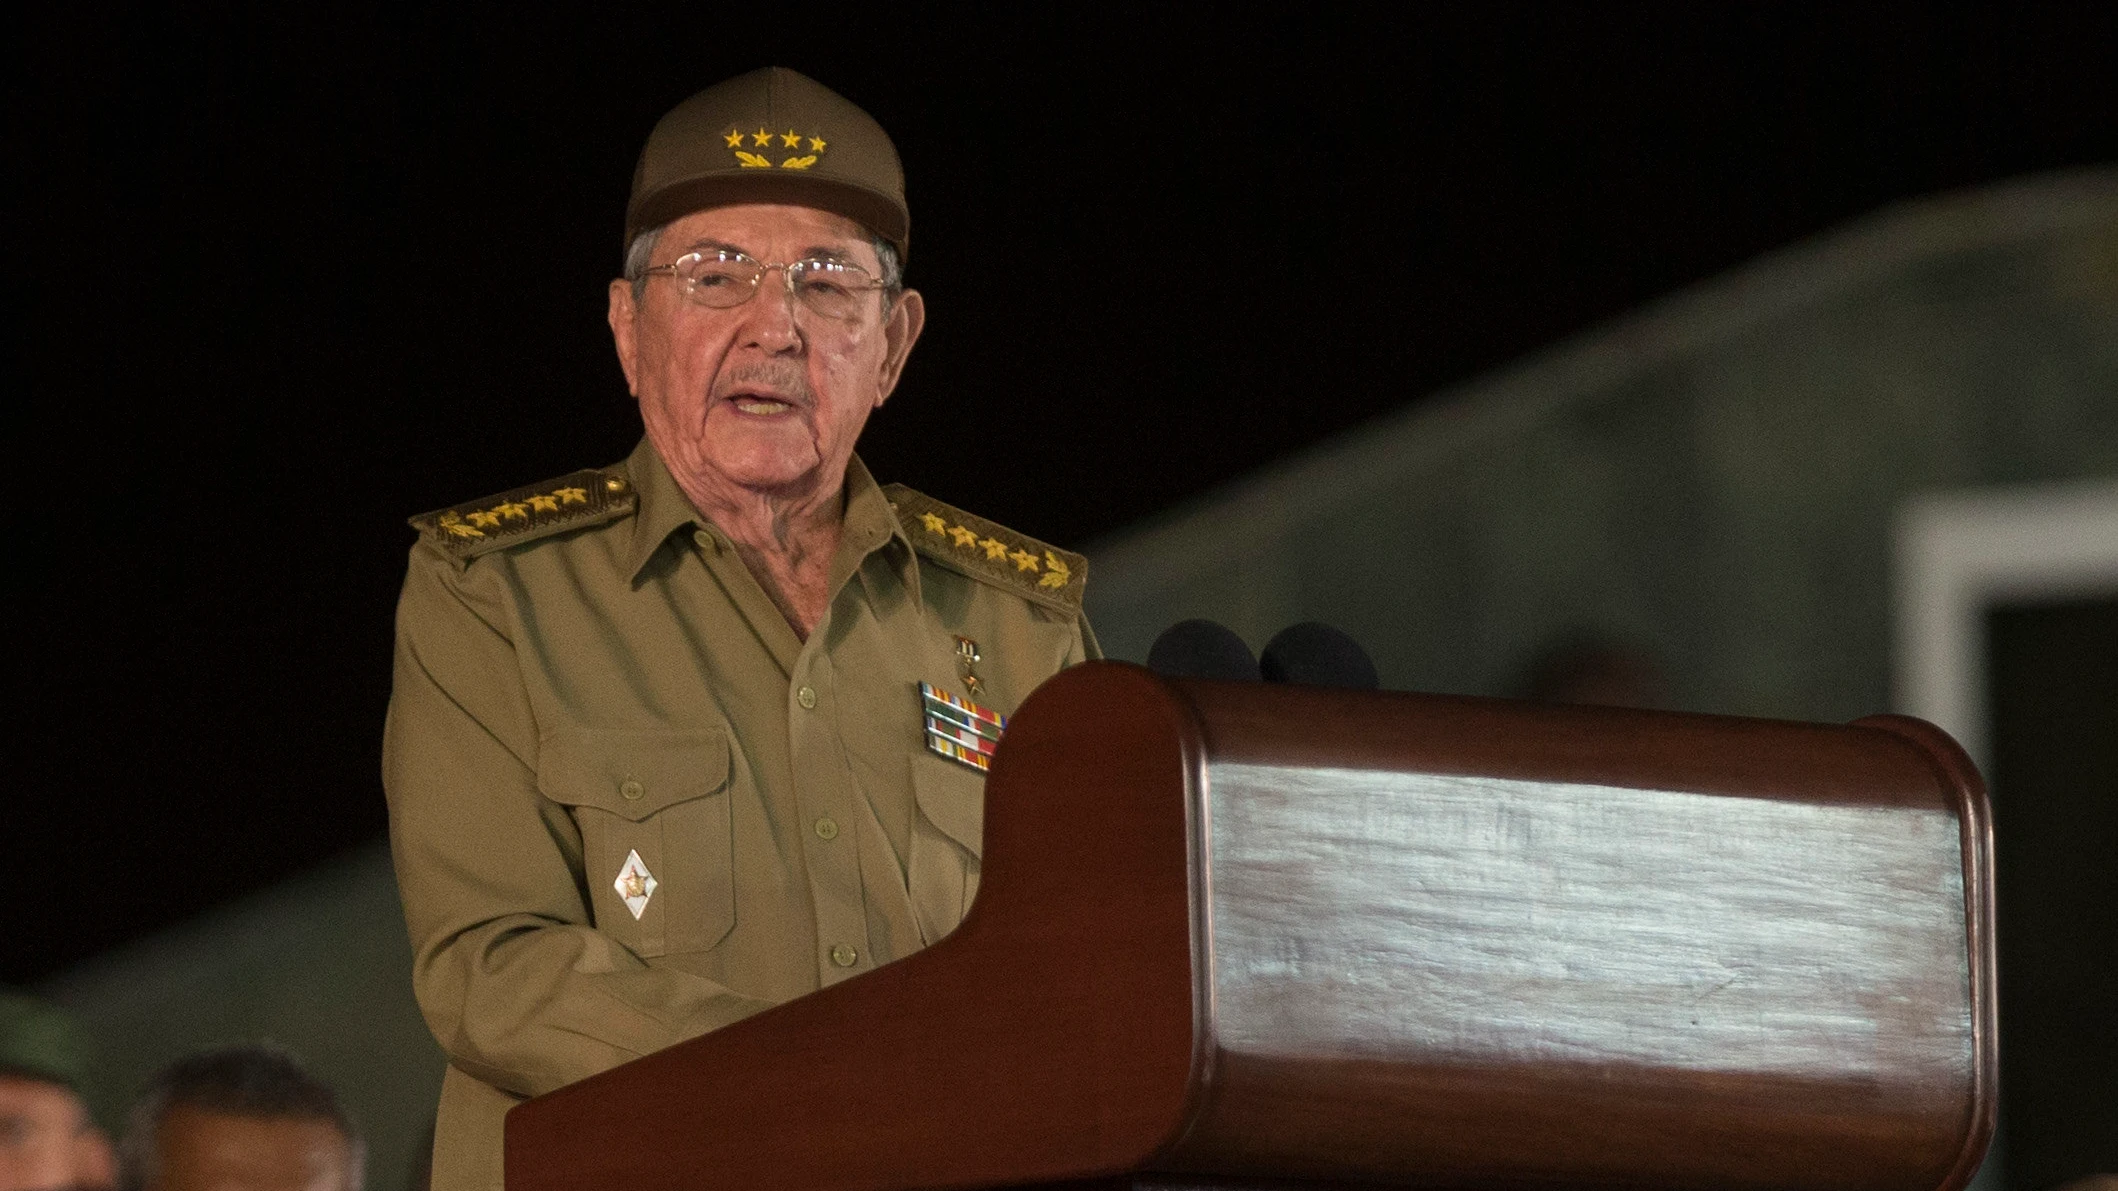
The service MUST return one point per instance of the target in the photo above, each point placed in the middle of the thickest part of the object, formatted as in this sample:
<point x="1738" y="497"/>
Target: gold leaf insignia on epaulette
<point x="452" y="524"/>
<point x="526" y="514"/>
<point x="987" y="551"/>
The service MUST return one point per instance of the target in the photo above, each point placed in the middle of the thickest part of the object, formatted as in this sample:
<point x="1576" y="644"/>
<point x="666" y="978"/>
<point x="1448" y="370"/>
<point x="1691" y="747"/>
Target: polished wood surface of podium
<point x="1269" y="936"/>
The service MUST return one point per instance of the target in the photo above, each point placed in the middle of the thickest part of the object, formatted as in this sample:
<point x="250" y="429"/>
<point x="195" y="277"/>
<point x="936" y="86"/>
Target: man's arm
<point x="517" y="986"/>
<point x="1086" y="648"/>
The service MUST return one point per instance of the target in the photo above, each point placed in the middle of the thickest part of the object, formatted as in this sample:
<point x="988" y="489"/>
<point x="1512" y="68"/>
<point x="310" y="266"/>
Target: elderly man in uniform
<point x="679" y="739"/>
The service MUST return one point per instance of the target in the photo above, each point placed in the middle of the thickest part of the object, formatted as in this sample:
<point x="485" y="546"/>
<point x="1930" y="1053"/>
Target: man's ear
<point x="908" y="317"/>
<point x="623" y="333"/>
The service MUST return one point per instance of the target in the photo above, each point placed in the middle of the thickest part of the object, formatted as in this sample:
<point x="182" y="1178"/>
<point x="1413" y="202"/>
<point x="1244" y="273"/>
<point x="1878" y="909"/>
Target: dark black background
<point x="286" y="276"/>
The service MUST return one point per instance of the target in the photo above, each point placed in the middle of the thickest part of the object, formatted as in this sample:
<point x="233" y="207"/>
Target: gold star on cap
<point x="761" y="137"/>
<point x="734" y="139"/>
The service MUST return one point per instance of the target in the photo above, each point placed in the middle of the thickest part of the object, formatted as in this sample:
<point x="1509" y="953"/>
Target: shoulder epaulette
<point x="994" y="553"/>
<point x="525" y="514"/>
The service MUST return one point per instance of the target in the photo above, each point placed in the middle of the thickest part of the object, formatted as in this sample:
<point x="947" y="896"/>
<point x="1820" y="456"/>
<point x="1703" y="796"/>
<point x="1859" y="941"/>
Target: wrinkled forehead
<point x="771" y="231"/>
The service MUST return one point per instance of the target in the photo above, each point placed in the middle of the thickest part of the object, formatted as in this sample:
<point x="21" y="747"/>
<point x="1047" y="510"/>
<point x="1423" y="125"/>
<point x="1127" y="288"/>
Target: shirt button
<point x="806" y="697"/>
<point x="705" y="540"/>
<point x="632" y="790"/>
<point x="827" y="828"/>
<point x="843" y="955"/>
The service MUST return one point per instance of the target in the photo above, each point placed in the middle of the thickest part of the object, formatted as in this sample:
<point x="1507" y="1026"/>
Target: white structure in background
<point x="1960" y="553"/>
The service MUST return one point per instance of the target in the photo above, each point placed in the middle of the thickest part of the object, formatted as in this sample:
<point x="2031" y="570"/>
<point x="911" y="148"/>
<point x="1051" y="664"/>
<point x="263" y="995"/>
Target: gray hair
<point x="641" y="252"/>
<point x="260" y="1081"/>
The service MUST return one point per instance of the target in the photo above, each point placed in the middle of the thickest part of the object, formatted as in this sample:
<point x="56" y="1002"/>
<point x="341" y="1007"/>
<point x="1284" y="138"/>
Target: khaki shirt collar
<point x="663" y="508"/>
<point x="870" y="524"/>
<point x="872" y="531"/>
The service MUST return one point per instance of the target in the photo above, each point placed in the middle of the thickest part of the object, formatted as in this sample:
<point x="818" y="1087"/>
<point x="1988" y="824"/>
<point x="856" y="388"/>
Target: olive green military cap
<point x="40" y="1041"/>
<point x="770" y="136"/>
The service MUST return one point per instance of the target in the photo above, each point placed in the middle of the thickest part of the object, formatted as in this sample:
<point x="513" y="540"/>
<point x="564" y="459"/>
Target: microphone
<point x="1202" y="649"/>
<point x="1315" y="654"/>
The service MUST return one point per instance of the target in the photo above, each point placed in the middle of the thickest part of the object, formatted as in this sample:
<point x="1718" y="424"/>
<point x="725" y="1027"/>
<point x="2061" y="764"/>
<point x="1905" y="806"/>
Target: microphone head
<point x="1202" y="649"/>
<point x="1315" y="654"/>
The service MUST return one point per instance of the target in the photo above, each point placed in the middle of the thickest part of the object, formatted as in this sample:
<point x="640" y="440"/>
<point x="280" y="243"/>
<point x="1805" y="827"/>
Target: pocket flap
<point x="631" y="773"/>
<point x="953" y="799"/>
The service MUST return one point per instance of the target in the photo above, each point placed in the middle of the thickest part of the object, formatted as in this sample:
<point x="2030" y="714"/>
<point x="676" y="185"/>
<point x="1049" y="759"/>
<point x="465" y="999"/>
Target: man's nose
<point x="769" y="314"/>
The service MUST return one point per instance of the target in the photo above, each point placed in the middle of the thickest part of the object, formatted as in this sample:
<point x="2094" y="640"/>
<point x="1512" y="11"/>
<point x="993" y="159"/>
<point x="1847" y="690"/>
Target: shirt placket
<point x="830" y="845"/>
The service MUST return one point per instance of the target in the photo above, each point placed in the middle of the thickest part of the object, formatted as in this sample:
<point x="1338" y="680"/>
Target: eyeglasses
<point x="722" y="278"/>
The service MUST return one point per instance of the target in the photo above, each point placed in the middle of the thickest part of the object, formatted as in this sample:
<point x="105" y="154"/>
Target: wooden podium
<point x="1241" y="935"/>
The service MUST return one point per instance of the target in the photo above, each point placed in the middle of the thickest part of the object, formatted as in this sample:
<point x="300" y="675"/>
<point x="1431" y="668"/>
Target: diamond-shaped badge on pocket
<point x="635" y="884"/>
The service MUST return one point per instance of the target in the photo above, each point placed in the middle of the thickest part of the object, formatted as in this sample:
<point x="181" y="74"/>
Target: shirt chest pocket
<point x="660" y="796"/>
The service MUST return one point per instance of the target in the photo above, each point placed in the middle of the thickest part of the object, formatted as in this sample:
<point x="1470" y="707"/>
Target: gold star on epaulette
<point x="988" y="552"/>
<point x="527" y="514"/>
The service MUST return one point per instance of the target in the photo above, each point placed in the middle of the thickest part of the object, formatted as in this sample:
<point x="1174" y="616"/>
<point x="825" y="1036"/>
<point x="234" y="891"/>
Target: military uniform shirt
<point x="617" y="709"/>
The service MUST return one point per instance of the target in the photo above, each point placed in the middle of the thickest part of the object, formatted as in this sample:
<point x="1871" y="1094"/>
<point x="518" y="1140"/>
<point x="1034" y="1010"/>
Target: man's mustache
<point x="783" y="380"/>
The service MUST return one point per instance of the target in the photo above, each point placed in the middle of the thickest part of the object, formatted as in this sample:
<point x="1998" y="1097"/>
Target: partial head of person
<point x="48" y="1140"/>
<point x="762" y="315"/>
<point x="242" y="1118"/>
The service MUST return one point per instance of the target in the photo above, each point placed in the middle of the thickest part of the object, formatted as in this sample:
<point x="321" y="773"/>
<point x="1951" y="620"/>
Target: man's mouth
<point x="766" y="390"/>
<point x="761" y="405"/>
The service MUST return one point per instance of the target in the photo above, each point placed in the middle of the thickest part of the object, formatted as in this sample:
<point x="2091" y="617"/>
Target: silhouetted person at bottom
<point x="245" y="1118"/>
<point x="48" y="1141"/>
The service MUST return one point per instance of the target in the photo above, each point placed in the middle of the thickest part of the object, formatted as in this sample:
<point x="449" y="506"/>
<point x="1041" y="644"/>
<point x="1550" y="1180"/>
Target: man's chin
<point x="772" y="472"/>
